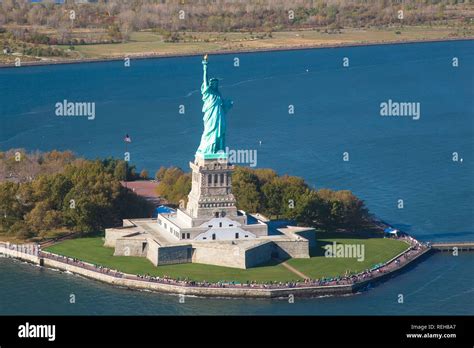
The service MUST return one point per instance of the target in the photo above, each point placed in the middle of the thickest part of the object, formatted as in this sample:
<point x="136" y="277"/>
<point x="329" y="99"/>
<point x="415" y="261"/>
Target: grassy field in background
<point x="376" y="250"/>
<point x="146" y="43"/>
<point x="150" y="43"/>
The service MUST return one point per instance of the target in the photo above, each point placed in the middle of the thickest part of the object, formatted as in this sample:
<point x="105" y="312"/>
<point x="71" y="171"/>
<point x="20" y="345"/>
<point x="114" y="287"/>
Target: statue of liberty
<point x="215" y="109"/>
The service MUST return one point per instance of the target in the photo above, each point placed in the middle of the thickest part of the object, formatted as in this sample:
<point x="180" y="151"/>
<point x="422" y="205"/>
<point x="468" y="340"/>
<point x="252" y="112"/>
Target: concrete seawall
<point x="19" y="255"/>
<point x="385" y="276"/>
<point x="239" y="292"/>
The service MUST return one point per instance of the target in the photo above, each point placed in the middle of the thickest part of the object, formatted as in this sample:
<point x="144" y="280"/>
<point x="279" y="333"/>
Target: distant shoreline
<point x="224" y="52"/>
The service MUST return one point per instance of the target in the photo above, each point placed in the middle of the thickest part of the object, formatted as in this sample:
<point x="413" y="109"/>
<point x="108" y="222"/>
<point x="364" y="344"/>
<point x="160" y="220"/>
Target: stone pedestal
<point x="211" y="193"/>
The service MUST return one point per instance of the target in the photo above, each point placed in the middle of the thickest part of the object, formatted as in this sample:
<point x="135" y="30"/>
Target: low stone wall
<point x="260" y="254"/>
<point x="181" y="289"/>
<point x="19" y="255"/>
<point x="219" y="255"/>
<point x="152" y="253"/>
<point x="131" y="247"/>
<point x="259" y="230"/>
<point x="309" y="235"/>
<point x="174" y="254"/>
<point x="240" y="292"/>
<point x="298" y="249"/>
<point x="112" y="234"/>
<point x="201" y="291"/>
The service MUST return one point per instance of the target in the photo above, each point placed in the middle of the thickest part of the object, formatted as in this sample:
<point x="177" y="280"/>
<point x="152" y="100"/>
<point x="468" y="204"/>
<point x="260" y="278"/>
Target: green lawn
<point x="376" y="250"/>
<point x="92" y="250"/>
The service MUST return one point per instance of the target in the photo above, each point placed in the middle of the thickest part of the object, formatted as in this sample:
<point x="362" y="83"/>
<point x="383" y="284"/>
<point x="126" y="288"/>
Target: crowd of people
<point x="415" y="249"/>
<point x="78" y="263"/>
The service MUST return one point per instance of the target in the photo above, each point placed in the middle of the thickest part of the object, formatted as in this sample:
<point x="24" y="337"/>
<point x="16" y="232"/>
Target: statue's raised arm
<point x="205" y="81"/>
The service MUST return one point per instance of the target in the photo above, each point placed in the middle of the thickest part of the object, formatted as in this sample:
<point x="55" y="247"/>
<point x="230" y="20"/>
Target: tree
<point x="159" y="175"/>
<point x="144" y="174"/>
<point x="83" y="196"/>
<point x="310" y="209"/>
<point x="245" y="188"/>
<point x="265" y="175"/>
<point x="293" y="188"/>
<point x="21" y="230"/>
<point x="120" y="171"/>
<point x="11" y="207"/>
<point x="174" y="184"/>
<point x="354" y="213"/>
<point x="114" y="32"/>
<point x="182" y="188"/>
<point x="272" y="193"/>
<point x="43" y="218"/>
<point x="281" y="196"/>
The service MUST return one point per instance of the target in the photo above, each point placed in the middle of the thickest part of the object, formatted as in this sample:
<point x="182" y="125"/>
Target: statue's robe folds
<point x="214" y="109"/>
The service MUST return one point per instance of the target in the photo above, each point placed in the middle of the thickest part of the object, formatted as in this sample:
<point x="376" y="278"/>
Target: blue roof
<point x="163" y="209"/>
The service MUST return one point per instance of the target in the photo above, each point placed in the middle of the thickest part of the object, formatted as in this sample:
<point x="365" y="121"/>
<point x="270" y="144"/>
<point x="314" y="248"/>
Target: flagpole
<point x="126" y="165"/>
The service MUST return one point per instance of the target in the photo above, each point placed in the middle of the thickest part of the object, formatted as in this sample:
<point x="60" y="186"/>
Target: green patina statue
<point x="215" y="108"/>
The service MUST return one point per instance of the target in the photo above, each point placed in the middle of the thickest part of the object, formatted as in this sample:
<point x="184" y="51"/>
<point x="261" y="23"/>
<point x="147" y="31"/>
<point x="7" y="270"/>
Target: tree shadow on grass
<point x="319" y="249"/>
<point x="271" y="262"/>
<point x="93" y="234"/>
<point x="348" y="235"/>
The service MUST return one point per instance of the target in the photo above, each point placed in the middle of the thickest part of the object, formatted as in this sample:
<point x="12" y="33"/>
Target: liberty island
<point x="210" y="230"/>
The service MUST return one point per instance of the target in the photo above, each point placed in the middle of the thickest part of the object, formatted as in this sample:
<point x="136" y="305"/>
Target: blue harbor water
<point x="337" y="110"/>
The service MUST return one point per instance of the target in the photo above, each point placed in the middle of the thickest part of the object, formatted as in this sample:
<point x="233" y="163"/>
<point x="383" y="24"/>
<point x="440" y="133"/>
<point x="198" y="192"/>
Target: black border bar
<point x="241" y="330"/>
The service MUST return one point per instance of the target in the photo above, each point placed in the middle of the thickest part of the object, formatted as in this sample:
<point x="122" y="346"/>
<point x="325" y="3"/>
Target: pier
<point x="450" y="246"/>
